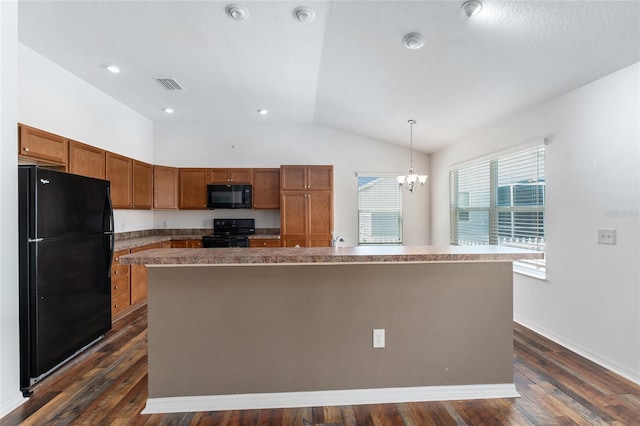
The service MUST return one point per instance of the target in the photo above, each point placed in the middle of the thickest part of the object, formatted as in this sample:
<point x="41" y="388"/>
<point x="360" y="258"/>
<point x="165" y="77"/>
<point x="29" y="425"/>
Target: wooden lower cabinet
<point x="138" y="292"/>
<point x="264" y="243"/>
<point x="119" y="285"/>
<point x="186" y="244"/>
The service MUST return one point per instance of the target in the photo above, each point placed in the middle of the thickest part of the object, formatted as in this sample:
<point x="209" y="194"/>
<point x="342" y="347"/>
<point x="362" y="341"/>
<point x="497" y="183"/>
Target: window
<point x="379" y="210"/>
<point x="501" y="201"/>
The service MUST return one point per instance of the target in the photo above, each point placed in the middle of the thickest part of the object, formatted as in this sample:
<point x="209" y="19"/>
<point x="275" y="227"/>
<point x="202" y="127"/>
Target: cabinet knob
<point x="115" y="306"/>
<point x="26" y="149"/>
<point x="115" y="288"/>
<point x="116" y="272"/>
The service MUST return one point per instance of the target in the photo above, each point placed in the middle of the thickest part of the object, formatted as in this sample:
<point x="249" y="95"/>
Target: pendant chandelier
<point x="411" y="181"/>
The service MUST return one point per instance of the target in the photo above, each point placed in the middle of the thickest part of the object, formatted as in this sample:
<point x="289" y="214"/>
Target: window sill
<point x="533" y="273"/>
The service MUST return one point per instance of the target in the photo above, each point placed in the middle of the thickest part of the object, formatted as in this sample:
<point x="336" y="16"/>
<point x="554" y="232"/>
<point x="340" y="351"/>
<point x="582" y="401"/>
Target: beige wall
<point x="217" y="330"/>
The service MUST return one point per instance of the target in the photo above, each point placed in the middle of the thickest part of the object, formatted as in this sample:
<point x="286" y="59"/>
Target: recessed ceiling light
<point x="413" y="41"/>
<point x="236" y="12"/>
<point x="471" y="7"/>
<point x="112" y="68"/>
<point x="304" y="14"/>
<point x="168" y="110"/>
<point x="262" y="111"/>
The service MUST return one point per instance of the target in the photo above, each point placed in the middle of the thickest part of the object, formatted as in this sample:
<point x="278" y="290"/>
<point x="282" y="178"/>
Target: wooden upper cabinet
<point x="165" y="187"/>
<point x="86" y="160"/>
<point x="223" y="176"/>
<point x="313" y="178"/>
<point x="193" y="188"/>
<point x="119" y="173"/>
<point x="142" y="185"/>
<point x="41" y="145"/>
<point x="266" y="188"/>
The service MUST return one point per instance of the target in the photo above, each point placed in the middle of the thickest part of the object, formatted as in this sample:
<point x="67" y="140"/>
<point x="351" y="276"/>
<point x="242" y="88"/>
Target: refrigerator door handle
<point x="35" y="240"/>
<point x="110" y="232"/>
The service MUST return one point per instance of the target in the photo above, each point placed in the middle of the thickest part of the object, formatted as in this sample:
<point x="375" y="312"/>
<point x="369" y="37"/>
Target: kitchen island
<point x="289" y="327"/>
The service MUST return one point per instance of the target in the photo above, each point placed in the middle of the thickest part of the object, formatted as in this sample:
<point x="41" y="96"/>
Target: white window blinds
<point x="379" y="210"/>
<point x="501" y="201"/>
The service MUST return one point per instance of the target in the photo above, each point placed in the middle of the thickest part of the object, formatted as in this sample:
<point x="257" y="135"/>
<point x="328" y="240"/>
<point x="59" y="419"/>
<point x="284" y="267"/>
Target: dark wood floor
<point x="107" y="385"/>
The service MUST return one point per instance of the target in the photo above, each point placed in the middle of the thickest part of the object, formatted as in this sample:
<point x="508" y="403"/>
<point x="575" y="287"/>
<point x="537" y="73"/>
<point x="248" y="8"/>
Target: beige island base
<point x="266" y="328"/>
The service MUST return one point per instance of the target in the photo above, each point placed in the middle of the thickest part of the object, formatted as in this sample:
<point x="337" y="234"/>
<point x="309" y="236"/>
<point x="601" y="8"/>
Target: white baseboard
<point x="255" y="401"/>
<point x="11" y="404"/>
<point x="602" y="361"/>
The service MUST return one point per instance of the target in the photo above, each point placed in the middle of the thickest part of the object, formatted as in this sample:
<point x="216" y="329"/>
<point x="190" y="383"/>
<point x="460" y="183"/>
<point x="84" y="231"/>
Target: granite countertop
<point x="136" y="242"/>
<point x="134" y="239"/>
<point x="377" y="254"/>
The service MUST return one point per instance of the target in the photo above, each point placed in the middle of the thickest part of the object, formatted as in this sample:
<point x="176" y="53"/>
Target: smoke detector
<point x="237" y="12"/>
<point x="304" y="14"/>
<point x="413" y="41"/>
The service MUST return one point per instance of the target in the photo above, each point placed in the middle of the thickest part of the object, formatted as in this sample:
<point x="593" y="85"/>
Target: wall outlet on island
<point x="165" y="223"/>
<point x="378" y="338"/>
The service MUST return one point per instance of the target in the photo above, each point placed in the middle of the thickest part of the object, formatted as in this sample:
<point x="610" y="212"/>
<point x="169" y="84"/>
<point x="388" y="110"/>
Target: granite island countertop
<point x="328" y="255"/>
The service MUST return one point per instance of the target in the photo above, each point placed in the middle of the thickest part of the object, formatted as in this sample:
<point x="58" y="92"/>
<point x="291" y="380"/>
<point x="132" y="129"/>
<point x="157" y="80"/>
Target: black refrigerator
<point x="65" y="251"/>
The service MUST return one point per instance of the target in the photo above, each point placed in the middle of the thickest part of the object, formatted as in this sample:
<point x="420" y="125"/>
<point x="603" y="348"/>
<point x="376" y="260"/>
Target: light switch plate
<point x="378" y="338"/>
<point x="607" y="236"/>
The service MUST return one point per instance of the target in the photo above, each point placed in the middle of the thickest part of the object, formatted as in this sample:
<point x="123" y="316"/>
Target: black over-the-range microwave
<point x="229" y="196"/>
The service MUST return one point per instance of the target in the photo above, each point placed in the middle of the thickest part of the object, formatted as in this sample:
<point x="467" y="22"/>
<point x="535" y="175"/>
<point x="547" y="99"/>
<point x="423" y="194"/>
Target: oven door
<point x="209" y="241"/>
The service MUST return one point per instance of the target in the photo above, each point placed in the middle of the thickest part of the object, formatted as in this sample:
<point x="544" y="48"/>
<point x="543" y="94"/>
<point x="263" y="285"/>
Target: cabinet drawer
<point x="264" y="243"/>
<point x="116" y="256"/>
<point x="119" y="270"/>
<point x="119" y="285"/>
<point x="119" y="304"/>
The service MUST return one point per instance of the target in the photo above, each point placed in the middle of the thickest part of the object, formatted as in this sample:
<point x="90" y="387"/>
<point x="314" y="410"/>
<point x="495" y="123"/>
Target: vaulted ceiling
<point x="347" y="69"/>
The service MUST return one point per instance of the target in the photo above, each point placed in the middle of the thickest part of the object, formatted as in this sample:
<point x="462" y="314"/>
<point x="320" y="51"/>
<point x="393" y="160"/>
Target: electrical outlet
<point x="378" y="338"/>
<point x="165" y="223"/>
<point x="607" y="236"/>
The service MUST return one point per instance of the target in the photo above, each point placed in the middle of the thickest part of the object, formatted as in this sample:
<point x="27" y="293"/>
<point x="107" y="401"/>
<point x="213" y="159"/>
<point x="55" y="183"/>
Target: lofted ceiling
<point x="348" y="69"/>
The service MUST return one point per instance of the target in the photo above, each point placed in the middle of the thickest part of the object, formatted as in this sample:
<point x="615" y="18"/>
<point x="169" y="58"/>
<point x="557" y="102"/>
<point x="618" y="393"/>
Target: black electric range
<point x="230" y="233"/>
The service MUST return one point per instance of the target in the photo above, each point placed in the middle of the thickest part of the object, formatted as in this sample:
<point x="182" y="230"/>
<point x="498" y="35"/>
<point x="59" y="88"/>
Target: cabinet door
<point x="194" y="243"/>
<point x="86" y="160"/>
<point x="320" y="217"/>
<point x="119" y="173"/>
<point x="165" y="187"/>
<point x="41" y="145"/>
<point x="142" y="185"/>
<point x="292" y="177"/>
<point x="179" y="244"/>
<point x="293" y="218"/>
<point x="266" y="188"/>
<point x="138" y="290"/>
<point x="241" y="176"/>
<point x="193" y="189"/>
<point x="218" y="176"/>
<point x="320" y="178"/>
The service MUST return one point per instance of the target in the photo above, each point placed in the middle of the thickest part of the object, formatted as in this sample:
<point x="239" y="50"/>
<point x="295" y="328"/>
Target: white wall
<point x="52" y="99"/>
<point x="590" y="301"/>
<point x="10" y="395"/>
<point x="254" y="145"/>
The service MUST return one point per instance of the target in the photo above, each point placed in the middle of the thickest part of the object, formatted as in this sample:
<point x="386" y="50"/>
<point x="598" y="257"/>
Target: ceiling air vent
<point x="169" y="84"/>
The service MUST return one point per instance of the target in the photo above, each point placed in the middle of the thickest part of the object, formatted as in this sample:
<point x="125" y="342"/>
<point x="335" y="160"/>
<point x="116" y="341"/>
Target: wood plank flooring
<point x="107" y="385"/>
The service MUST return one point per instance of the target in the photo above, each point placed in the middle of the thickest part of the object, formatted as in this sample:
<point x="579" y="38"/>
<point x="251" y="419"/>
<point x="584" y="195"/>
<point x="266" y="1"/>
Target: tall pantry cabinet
<point x="306" y="206"/>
